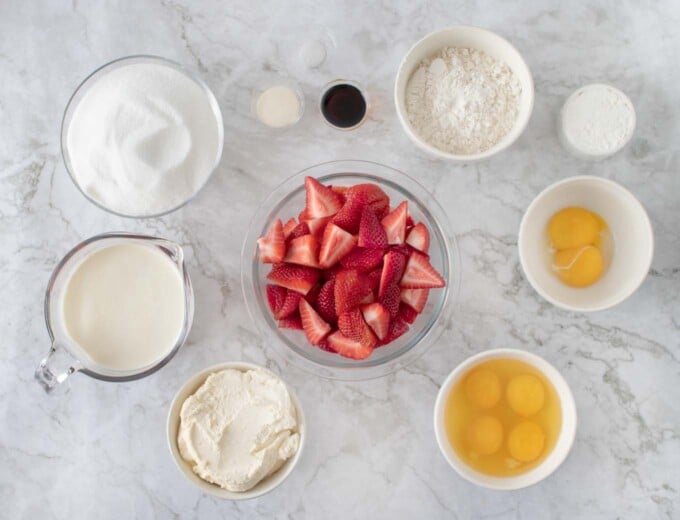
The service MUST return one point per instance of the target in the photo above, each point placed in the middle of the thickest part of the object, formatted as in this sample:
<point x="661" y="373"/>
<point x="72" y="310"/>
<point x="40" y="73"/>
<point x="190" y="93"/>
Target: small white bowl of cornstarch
<point x="463" y="93"/>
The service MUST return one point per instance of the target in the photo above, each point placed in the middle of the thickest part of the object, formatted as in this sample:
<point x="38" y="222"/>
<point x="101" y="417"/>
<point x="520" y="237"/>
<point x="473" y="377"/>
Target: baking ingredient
<point x="579" y="267"/>
<point x="143" y="139"/>
<point x="238" y="428"/>
<point x="345" y="275"/>
<point x="344" y="106"/>
<point x="278" y="106"/>
<point x="124" y="306"/>
<point x="503" y="417"/>
<point x="596" y="121"/>
<point x="462" y="100"/>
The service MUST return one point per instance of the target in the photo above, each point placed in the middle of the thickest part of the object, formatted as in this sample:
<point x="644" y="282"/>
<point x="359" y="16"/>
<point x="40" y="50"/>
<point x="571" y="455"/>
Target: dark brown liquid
<point x="343" y="105"/>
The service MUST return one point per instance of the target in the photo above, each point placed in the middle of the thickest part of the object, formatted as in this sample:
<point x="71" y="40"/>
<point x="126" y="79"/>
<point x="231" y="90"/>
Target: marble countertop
<point x="99" y="450"/>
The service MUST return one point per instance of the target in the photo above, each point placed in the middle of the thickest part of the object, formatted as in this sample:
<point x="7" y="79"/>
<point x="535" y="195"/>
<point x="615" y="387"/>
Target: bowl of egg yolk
<point x="585" y="243"/>
<point x="505" y="419"/>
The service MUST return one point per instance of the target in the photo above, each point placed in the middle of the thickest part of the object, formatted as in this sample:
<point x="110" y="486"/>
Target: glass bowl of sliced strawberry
<point x="350" y="270"/>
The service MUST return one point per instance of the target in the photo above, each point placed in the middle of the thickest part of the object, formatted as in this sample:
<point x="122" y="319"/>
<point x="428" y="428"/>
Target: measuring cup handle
<point x="55" y="367"/>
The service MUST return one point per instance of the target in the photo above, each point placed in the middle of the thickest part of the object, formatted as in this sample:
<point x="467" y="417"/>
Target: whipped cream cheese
<point x="238" y="428"/>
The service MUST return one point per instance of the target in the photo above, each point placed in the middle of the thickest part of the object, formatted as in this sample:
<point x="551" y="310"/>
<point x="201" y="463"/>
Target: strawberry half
<point x="363" y="259"/>
<point x="273" y="244"/>
<point x="351" y="287"/>
<point x="297" y="278"/>
<point x="321" y="200"/>
<point x="292" y="322"/>
<point x="353" y="326"/>
<point x="303" y="250"/>
<point x="358" y="197"/>
<point x="289" y="226"/>
<point x="335" y="244"/>
<point x="419" y="274"/>
<point x="415" y="298"/>
<point x="377" y="318"/>
<point x="317" y="225"/>
<point x="395" y="224"/>
<point x="347" y="347"/>
<point x="407" y="313"/>
<point x="392" y="271"/>
<point x="325" y="303"/>
<point x="315" y="328"/>
<point x="419" y="237"/>
<point x="298" y="231"/>
<point x="276" y="296"/>
<point x="390" y="299"/>
<point x="371" y="233"/>
<point x="290" y="305"/>
<point x="398" y="327"/>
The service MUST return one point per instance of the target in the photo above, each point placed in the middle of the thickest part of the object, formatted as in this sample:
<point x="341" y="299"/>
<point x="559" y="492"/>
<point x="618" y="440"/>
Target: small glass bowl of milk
<point x="118" y="307"/>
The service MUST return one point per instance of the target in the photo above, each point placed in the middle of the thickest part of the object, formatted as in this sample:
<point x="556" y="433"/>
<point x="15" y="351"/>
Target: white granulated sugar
<point x="462" y="100"/>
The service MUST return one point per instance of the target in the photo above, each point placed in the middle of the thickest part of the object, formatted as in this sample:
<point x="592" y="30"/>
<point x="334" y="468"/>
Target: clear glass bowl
<point x="286" y="201"/>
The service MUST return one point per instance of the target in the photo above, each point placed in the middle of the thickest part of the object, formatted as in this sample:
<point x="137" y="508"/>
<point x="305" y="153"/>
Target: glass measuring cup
<point x="65" y="356"/>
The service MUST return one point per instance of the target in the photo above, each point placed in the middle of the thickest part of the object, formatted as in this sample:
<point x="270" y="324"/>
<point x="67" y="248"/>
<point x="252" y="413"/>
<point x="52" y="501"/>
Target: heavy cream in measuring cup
<point x="124" y="305"/>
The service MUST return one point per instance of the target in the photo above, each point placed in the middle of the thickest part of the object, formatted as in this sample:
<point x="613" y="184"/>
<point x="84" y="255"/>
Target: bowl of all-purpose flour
<point x="141" y="136"/>
<point x="463" y="93"/>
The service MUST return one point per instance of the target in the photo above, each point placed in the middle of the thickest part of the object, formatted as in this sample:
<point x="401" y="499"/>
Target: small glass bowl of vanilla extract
<point x="344" y="104"/>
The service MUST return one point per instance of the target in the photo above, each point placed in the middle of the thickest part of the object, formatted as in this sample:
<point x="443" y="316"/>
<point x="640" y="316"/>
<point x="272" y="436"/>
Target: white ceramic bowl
<point x="263" y="487"/>
<point x="628" y="224"/>
<point x="551" y="462"/>
<point x="477" y="38"/>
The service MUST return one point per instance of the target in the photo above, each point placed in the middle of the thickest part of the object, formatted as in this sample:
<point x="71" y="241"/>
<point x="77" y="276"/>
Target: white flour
<point x="462" y="100"/>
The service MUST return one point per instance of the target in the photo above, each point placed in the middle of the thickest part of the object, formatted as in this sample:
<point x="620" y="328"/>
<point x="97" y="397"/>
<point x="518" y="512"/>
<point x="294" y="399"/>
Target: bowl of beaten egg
<point x="505" y="419"/>
<point x="585" y="243"/>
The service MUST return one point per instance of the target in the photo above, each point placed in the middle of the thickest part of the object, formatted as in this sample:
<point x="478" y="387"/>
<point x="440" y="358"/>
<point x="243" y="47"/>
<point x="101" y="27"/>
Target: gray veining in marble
<point x="99" y="451"/>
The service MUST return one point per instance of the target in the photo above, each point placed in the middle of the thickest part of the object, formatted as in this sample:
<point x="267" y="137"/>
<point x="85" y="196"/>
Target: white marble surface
<point x="99" y="451"/>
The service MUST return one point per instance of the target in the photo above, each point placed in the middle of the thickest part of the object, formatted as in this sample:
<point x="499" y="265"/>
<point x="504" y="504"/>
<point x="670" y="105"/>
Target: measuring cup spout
<point x="55" y="367"/>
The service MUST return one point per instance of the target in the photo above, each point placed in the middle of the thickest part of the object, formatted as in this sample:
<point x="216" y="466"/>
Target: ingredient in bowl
<point x="353" y="273"/>
<point x="503" y="417"/>
<point x="580" y="243"/>
<point x="238" y="428"/>
<point x="343" y="105"/>
<point x="124" y="306"/>
<point x="143" y="139"/>
<point x="278" y="106"/>
<point x="462" y="100"/>
<point x="596" y="121"/>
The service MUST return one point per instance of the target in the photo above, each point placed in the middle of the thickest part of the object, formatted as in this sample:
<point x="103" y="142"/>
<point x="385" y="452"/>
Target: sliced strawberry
<point x="298" y="231"/>
<point x="392" y="271"/>
<point x="409" y="222"/>
<point x="419" y="237"/>
<point x="303" y="250"/>
<point x="363" y="259"/>
<point x="398" y="327"/>
<point x="415" y="298"/>
<point x="353" y="326"/>
<point x="324" y="345"/>
<point x="317" y="225"/>
<point x="349" y="216"/>
<point x="289" y="226"/>
<point x="402" y="249"/>
<point x="315" y="328"/>
<point x="374" y="279"/>
<point x="330" y="274"/>
<point x="390" y="299"/>
<point x="341" y="191"/>
<point x="370" y="298"/>
<point x="335" y="244"/>
<point x="395" y="224"/>
<point x="325" y="303"/>
<point x="351" y="287"/>
<point x="358" y="197"/>
<point x="419" y="274"/>
<point x="321" y="200"/>
<point x="290" y="305"/>
<point x="276" y="296"/>
<point x="273" y="244"/>
<point x="347" y="347"/>
<point x="371" y="233"/>
<point x="291" y="322"/>
<point x="294" y="277"/>
<point x="407" y="313"/>
<point x="312" y="295"/>
<point x="377" y="317"/>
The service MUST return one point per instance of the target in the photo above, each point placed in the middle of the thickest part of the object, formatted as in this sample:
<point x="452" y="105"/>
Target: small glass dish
<point x="326" y="89"/>
<point x="275" y="81"/>
<point x="286" y="201"/>
<point x="90" y="80"/>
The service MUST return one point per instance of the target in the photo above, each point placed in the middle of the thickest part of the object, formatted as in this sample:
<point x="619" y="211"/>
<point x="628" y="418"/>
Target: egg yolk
<point x="525" y="394"/>
<point x="579" y="267"/>
<point x="485" y="435"/>
<point x="573" y="227"/>
<point x="483" y="388"/>
<point x="526" y="441"/>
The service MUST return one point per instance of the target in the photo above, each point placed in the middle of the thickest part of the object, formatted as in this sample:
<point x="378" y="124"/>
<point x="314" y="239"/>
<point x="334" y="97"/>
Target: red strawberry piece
<point x="276" y="296"/>
<point x="390" y="299"/>
<point x="347" y="347"/>
<point x="303" y="250"/>
<point x="321" y="200"/>
<point x="303" y="215"/>
<point x="409" y="222"/>
<point x="371" y="233"/>
<point x="398" y="327"/>
<point x="325" y="303"/>
<point x="341" y="191"/>
<point x="419" y="237"/>
<point x="290" y="305"/>
<point x="299" y="231"/>
<point x="353" y="326"/>
<point x="273" y="244"/>
<point x="351" y="287"/>
<point x="419" y="274"/>
<point x="407" y="313"/>
<point x="395" y="224"/>
<point x="371" y="195"/>
<point x="374" y="279"/>
<point x="297" y="278"/>
<point x="315" y="328"/>
<point x="363" y="259"/>
<point x="335" y="244"/>
<point x="291" y="322"/>
<point x="349" y="216"/>
<point x="288" y="227"/>
<point x="330" y="274"/>
<point x="313" y="295"/>
<point x="324" y="345"/>
<point x="392" y="271"/>
<point x="415" y="298"/>
<point x="377" y="317"/>
<point x="370" y="298"/>
<point x="317" y="225"/>
<point x="402" y="249"/>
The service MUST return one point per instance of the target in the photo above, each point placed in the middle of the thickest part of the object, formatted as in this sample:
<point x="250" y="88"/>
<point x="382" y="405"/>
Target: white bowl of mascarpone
<point x="235" y="430"/>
